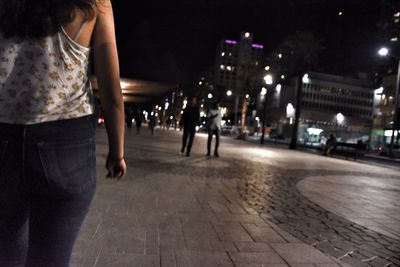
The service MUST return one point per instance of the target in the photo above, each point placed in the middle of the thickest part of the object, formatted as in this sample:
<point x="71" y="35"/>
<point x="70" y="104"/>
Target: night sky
<point x="174" y="41"/>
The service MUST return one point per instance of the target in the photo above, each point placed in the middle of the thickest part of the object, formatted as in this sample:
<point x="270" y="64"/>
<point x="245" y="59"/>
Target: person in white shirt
<point x="214" y="127"/>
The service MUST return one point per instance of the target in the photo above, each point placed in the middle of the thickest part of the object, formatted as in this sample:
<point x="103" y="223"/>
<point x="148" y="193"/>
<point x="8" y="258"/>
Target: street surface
<point x="253" y="206"/>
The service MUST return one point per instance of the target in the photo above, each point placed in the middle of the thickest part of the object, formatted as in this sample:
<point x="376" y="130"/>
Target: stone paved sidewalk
<point x="172" y="210"/>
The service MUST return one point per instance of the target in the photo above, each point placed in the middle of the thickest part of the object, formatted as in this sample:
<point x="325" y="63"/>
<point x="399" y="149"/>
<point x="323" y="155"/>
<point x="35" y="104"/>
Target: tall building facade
<point x="330" y="104"/>
<point x="235" y="63"/>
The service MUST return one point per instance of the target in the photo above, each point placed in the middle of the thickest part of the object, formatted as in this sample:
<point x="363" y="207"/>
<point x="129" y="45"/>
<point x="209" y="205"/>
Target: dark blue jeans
<point x="47" y="182"/>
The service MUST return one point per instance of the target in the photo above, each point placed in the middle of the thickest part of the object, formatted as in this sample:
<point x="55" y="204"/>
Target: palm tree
<point x="297" y="55"/>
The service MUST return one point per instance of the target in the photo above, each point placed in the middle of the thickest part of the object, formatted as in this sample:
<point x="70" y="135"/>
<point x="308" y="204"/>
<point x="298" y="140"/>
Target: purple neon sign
<point x="257" y="46"/>
<point x="230" y="42"/>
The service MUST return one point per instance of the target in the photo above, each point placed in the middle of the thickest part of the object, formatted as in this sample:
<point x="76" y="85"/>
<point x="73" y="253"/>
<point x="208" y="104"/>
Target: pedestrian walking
<point x="190" y="120"/>
<point x="138" y="120"/>
<point x="214" y="118"/>
<point x="47" y="142"/>
<point x="152" y="123"/>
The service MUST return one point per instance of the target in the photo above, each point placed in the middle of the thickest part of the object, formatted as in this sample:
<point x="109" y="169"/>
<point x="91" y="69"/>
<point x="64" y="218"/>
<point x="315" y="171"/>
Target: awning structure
<point x="139" y="91"/>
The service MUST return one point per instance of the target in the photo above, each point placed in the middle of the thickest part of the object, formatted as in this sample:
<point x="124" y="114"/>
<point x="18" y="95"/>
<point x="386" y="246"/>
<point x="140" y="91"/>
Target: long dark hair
<point x="39" y="18"/>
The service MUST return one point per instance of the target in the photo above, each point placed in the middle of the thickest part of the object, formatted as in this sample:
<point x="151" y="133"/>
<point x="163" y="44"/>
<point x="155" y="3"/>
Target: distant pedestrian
<point x="129" y="118"/>
<point x="330" y="145"/>
<point x="138" y="120"/>
<point x="190" y="120"/>
<point x="214" y="118"/>
<point x="152" y="123"/>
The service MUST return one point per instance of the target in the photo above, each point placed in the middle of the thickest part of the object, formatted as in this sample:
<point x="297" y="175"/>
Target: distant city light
<point x="306" y="79"/>
<point x="152" y="113"/>
<point x="383" y="51"/>
<point x="229" y="68"/>
<point x="202" y="105"/>
<point x="263" y="91"/>
<point x="172" y="117"/>
<point x="340" y="13"/>
<point x="339" y="117"/>
<point x="278" y="88"/>
<point x="159" y="108"/>
<point x="396" y="14"/>
<point x="229" y="93"/>
<point x="290" y="110"/>
<point x="210" y="96"/>
<point x="200" y="83"/>
<point x="202" y="114"/>
<point x="247" y="96"/>
<point x="222" y="67"/>
<point x="268" y="79"/>
<point x="223" y="54"/>
<point x="314" y="131"/>
<point x="280" y="55"/>
<point x="257" y="119"/>
<point x="230" y="42"/>
<point x="247" y="35"/>
<point x="267" y="68"/>
<point x="166" y="105"/>
<point x="283" y="77"/>
<point x="379" y="91"/>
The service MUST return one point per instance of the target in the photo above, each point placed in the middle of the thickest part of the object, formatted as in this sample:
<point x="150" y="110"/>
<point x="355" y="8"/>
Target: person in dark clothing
<point x="138" y="119"/>
<point x="152" y="123"/>
<point x="190" y="119"/>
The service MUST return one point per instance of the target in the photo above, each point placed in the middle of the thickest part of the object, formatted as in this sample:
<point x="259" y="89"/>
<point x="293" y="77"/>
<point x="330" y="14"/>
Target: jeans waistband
<point x="62" y="130"/>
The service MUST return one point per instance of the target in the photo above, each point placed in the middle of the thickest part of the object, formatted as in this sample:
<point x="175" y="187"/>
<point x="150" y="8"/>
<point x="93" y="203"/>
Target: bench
<point x="349" y="149"/>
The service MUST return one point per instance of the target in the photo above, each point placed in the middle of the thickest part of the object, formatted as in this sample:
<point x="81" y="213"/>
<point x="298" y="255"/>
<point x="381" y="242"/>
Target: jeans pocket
<point x="70" y="167"/>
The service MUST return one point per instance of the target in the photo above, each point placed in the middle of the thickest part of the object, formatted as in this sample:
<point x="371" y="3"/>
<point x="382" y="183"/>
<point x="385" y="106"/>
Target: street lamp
<point x="385" y="52"/>
<point x="269" y="81"/>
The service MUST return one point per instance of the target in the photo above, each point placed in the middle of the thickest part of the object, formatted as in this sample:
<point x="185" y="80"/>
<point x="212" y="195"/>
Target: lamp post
<point x="385" y="52"/>
<point x="268" y="81"/>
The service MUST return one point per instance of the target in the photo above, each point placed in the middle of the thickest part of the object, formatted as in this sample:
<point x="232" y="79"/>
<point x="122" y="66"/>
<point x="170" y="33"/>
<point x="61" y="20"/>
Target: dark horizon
<point x="175" y="42"/>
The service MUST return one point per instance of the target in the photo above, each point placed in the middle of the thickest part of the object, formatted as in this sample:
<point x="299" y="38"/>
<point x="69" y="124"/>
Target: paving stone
<point x="232" y="232"/>
<point x="243" y="259"/>
<point x="263" y="233"/>
<point x="200" y="259"/>
<point x="300" y="253"/>
<point x="253" y="247"/>
<point x="166" y="202"/>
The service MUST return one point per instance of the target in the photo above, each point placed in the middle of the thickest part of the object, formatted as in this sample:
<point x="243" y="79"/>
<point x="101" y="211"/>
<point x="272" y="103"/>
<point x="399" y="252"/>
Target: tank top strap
<point x="78" y="33"/>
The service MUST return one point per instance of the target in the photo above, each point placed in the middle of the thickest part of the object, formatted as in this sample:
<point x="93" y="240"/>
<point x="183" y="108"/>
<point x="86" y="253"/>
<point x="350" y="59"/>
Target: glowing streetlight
<point x="305" y="78"/>
<point x="263" y="91"/>
<point x="229" y="93"/>
<point x="210" y="96"/>
<point x="340" y="118"/>
<point x="383" y="52"/>
<point x="268" y="79"/>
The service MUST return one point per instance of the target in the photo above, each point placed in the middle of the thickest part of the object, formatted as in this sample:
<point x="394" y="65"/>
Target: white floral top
<point x="44" y="80"/>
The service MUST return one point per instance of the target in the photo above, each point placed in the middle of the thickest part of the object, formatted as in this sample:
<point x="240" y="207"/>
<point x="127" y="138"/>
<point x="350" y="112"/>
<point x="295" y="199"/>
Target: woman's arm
<point x="106" y="64"/>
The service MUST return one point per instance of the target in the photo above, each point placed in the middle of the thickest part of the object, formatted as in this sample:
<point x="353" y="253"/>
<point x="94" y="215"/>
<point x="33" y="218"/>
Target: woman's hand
<point x="116" y="167"/>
